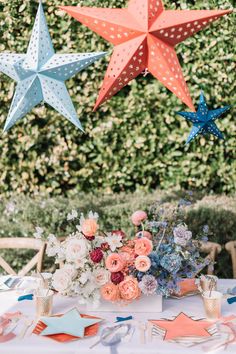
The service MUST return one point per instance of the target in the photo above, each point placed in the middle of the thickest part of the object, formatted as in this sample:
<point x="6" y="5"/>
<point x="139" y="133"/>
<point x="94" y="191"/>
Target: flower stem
<point x="161" y="240"/>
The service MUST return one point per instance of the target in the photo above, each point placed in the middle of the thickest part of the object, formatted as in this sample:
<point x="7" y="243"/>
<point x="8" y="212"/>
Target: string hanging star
<point x="144" y="35"/>
<point x="71" y="323"/>
<point x="40" y="75"/>
<point x="204" y="120"/>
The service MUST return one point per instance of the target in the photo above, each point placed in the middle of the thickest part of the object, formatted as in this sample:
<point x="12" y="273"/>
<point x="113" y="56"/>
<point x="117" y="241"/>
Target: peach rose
<point x="142" y="263"/>
<point x="110" y="292"/>
<point x="128" y="248"/>
<point x="138" y="217"/>
<point x="129" y="289"/>
<point x="146" y="234"/>
<point x="89" y="227"/>
<point x="115" y="262"/>
<point x="143" y="246"/>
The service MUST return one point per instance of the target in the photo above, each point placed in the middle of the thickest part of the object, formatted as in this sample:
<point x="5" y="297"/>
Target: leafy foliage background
<point x="135" y="140"/>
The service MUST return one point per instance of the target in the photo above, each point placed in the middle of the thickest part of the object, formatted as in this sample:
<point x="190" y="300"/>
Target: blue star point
<point x="41" y="74"/>
<point x="204" y="120"/>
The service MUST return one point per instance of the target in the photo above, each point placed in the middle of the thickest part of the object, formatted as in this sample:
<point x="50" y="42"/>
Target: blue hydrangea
<point x="140" y="275"/>
<point x="171" y="262"/>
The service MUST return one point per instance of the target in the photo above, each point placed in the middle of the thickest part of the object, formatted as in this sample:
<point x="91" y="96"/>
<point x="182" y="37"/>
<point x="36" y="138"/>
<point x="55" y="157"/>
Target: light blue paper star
<point x="40" y="75"/>
<point x="70" y="323"/>
<point x="204" y="120"/>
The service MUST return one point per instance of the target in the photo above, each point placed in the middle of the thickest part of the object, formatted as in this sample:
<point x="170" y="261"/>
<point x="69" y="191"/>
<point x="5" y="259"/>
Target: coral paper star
<point x="204" y="120"/>
<point x="144" y="35"/>
<point x="40" y="75"/>
<point x="183" y="326"/>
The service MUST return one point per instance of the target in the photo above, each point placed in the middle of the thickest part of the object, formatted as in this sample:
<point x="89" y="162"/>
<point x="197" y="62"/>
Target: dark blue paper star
<point x="204" y="120"/>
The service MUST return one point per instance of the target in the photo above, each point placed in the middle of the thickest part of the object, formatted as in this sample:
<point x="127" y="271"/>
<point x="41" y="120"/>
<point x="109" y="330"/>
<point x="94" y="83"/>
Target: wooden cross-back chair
<point x="231" y="249"/>
<point x="212" y="249"/>
<point x="23" y="243"/>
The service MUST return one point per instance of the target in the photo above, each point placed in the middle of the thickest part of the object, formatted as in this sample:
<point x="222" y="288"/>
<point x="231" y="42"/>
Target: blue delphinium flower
<point x="206" y="229"/>
<point x="204" y="239"/>
<point x="184" y="202"/>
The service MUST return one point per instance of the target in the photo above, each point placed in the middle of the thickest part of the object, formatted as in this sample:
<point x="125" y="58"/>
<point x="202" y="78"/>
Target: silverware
<point x="27" y="324"/>
<point x="142" y="329"/>
<point x="112" y="330"/>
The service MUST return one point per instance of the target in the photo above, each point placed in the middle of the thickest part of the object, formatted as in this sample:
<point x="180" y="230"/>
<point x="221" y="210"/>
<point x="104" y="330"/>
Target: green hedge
<point x="135" y="140"/>
<point x="20" y="215"/>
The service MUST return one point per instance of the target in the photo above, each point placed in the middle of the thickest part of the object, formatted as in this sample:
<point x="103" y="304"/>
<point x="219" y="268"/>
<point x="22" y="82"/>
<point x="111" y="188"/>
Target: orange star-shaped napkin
<point x="183" y="326"/>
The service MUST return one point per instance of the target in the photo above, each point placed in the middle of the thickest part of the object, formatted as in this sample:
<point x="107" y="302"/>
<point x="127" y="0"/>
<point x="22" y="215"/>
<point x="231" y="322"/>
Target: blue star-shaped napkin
<point x="40" y="74"/>
<point x="70" y="323"/>
<point x="204" y="120"/>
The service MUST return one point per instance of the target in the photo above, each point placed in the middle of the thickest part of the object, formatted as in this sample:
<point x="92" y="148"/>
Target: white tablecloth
<point x="34" y="344"/>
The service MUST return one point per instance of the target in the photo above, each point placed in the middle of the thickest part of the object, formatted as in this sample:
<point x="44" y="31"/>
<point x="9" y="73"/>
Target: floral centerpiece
<point x="111" y="266"/>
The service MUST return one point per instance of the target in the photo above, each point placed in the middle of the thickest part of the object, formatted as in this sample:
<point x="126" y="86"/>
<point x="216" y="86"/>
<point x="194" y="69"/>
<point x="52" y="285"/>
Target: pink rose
<point x="138" y="217"/>
<point x="129" y="289"/>
<point x="146" y="234"/>
<point x="89" y="227"/>
<point x="110" y="292"/>
<point x="115" y="262"/>
<point x="143" y="246"/>
<point x="142" y="263"/>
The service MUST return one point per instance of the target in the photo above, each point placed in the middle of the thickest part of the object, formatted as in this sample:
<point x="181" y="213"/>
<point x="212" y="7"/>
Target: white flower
<point x="75" y="249"/>
<point x="101" y="276"/>
<point x="99" y="240"/>
<point x="114" y="241"/>
<point x="60" y="252"/>
<point x="85" y="276"/>
<point x="52" y="238"/>
<point x="182" y="235"/>
<point x="94" y="300"/>
<point x="70" y="270"/>
<point x="80" y="262"/>
<point x="62" y="279"/>
<point x="92" y="215"/>
<point x="54" y="247"/>
<point x="52" y="250"/>
<point x="39" y="232"/>
<point x="73" y="215"/>
<point x="89" y="288"/>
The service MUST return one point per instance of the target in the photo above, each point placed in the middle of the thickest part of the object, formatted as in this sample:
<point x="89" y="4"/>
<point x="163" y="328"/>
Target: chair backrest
<point x="212" y="249"/>
<point x="231" y="248"/>
<point x="23" y="243"/>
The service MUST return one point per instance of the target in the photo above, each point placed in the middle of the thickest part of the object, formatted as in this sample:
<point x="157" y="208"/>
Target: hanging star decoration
<point x="144" y="35"/>
<point x="41" y="74"/>
<point x="183" y="326"/>
<point x="71" y="323"/>
<point x="204" y="120"/>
